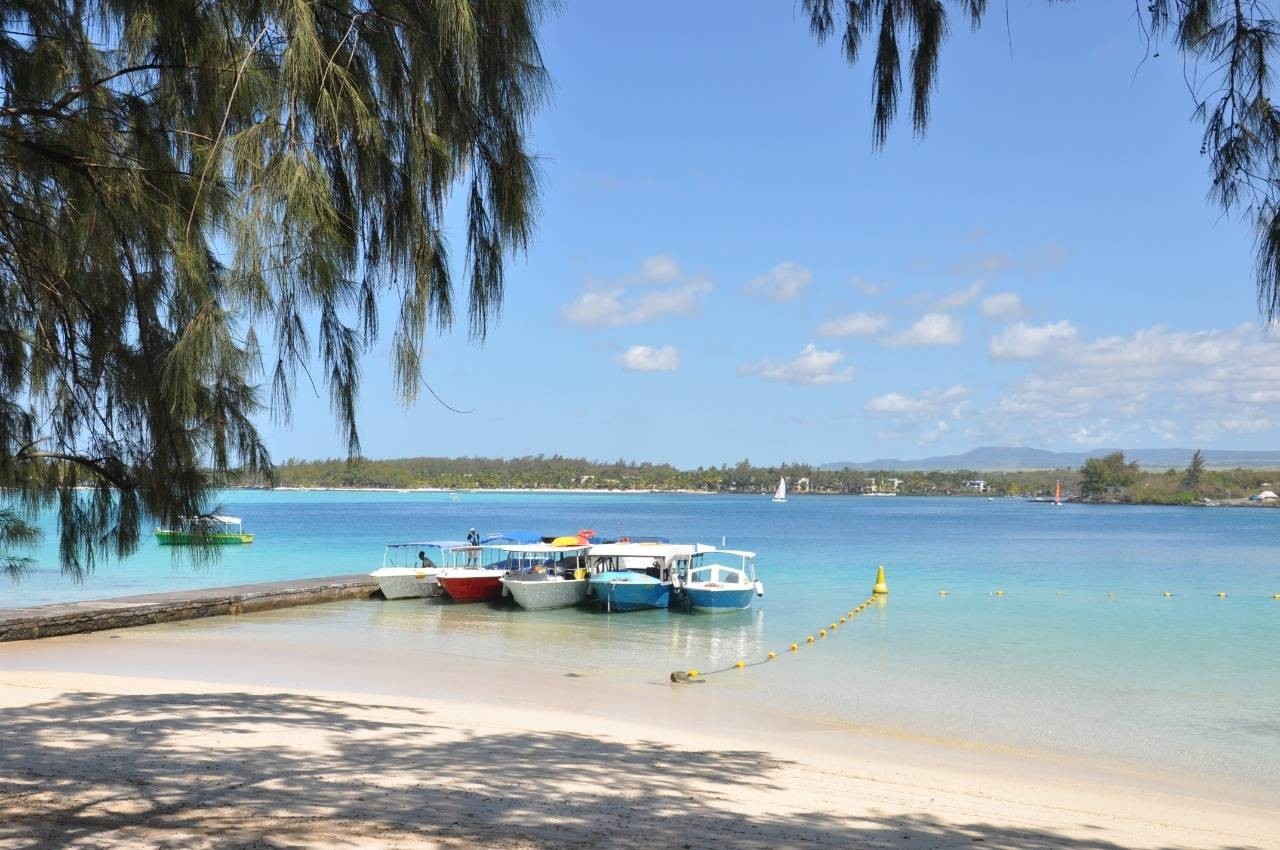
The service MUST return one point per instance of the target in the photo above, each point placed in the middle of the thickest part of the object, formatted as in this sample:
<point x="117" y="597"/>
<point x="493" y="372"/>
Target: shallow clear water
<point x="1189" y="682"/>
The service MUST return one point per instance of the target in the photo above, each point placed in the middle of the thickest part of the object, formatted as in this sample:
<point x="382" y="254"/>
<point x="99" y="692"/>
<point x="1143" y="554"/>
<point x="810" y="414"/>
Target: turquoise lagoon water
<point x="1082" y="655"/>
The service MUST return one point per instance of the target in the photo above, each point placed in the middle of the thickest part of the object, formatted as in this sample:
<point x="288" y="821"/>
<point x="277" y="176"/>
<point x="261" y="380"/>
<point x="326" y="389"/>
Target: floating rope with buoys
<point x="685" y="677"/>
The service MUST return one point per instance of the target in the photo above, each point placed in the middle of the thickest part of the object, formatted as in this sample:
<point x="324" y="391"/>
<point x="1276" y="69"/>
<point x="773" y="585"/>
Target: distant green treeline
<point x="556" y="472"/>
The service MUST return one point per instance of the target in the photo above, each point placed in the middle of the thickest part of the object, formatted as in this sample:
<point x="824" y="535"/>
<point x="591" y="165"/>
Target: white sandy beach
<point x="220" y="746"/>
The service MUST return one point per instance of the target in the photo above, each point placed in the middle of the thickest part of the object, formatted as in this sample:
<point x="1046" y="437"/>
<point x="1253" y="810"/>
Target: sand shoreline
<point x="208" y="751"/>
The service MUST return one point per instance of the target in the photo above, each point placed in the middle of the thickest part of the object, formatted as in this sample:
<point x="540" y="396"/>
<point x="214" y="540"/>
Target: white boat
<point x="717" y="588"/>
<point x="544" y="576"/>
<point x="410" y="570"/>
<point x="780" y="495"/>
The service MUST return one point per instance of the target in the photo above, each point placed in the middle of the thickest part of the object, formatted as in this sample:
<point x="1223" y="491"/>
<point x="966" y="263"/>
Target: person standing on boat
<point x="473" y="540"/>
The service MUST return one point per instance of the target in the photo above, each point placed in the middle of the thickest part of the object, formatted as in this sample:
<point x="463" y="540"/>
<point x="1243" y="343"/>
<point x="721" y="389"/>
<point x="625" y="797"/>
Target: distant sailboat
<point x="780" y="495"/>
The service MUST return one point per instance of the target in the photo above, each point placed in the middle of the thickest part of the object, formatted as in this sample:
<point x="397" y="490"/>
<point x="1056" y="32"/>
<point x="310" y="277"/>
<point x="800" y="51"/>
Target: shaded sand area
<point x="211" y="734"/>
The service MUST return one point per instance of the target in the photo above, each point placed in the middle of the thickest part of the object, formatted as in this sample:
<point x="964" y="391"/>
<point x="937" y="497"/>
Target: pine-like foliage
<point x="1230" y="47"/>
<point x="200" y="197"/>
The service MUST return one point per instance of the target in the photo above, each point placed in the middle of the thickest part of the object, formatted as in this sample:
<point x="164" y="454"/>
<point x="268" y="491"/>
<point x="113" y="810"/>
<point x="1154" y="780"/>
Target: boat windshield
<point x="427" y="554"/>
<point x="540" y="558"/>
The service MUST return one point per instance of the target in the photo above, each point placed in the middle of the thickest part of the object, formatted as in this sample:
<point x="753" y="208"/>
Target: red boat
<point x="471" y="585"/>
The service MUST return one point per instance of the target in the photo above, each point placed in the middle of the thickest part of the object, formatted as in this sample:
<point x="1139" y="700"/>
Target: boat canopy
<point x="539" y="548"/>
<point x="226" y="520"/>
<point x="500" y="537"/>
<point x="432" y="544"/>
<point x="737" y="553"/>
<point x="649" y="550"/>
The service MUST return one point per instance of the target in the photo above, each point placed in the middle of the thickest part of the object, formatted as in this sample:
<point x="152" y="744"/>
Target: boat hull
<point x="546" y="594"/>
<point x="165" y="537"/>
<point x="407" y="583"/>
<point x="719" y="600"/>
<point x="480" y="588"/>
<point x="629" y="591"/>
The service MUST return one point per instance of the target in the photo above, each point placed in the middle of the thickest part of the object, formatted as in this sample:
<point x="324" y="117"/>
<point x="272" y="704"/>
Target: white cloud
<point x="661" y="268"/>
<point x="930" y="329"/>
<point x="783" y="282"/>
<point x="810" y="366"/>
<point x="948" y="401"/>
<point x="643" y="358"/>
<point x="866" y="287"/>
<point x="659" y="290"/>
<point x="935" y="434"/>
<point x="960" y="297"/>
<point x="1036" y="261"/>
<point x="992" y="263"/>
<point x="1003" y="305"/>
<point x="1246" y="425"/>
<point x="1198" y="386"/>
<point x="896" y="403"/>
<point x="1021" y="341"/>
<point x="934" y="408"/>
<point x="855" y="324"/>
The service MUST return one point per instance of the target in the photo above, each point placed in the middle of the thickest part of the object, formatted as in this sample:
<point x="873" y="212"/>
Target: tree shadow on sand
<point x="233" y="770"/>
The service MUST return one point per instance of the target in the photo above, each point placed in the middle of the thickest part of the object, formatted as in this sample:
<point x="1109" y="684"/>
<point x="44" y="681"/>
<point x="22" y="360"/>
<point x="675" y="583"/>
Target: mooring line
<point x="684" y="677"/>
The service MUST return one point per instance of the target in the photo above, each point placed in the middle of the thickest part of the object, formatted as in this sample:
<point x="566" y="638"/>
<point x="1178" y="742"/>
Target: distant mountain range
<point x="1002" y="458"/>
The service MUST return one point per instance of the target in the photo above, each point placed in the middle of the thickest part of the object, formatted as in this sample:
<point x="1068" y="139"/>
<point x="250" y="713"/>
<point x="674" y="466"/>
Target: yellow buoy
<point x="833" y="627"/>
<point x="880" y="586"/>
<point x="693" y="673"/>
<point x="999" y="593"/>
<point x="740" y="664"/>
<point x="809" y="639"/>
<point x="1222" y="594"/>
<point x="794" y="647"/>
<point x="773" y="655"/>
<point x="822" y="632"/>
<point x="1275" y="596"/>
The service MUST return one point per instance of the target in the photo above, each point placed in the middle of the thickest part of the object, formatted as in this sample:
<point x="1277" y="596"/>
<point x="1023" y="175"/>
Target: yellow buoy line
<point x="880" y="589"/>
<point x="1110" y="594"/>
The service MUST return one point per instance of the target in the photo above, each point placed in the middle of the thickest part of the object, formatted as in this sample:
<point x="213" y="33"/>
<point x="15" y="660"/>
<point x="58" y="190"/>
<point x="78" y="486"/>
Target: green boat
<point x="220" y="529"/>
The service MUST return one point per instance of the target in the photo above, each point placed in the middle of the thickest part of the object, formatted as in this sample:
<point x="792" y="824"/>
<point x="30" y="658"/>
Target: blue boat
<point x="634" y="576"/>
<point x="627" y="590"/>
<point x="719" y="588"/>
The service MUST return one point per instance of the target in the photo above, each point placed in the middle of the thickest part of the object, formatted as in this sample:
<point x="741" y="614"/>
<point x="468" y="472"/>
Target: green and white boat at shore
<point x="216" y="530"/>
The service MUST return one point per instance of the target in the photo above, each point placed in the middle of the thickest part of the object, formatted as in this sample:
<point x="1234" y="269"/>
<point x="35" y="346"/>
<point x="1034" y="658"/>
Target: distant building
<point x="978" y="485"/>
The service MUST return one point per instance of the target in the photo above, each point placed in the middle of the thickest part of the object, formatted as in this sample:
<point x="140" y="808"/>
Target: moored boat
<point x="543" y="576"/>
<point x="717" y="588"/>
<point x="634" y="576"/>
<point x="406" y="575"/>
<point x="472" y="584"/>
<point x="213" y="529"/>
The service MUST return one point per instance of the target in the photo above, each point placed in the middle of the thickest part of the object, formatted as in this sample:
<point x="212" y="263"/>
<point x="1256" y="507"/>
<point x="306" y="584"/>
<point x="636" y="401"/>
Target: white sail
<point x="780" y="495"/>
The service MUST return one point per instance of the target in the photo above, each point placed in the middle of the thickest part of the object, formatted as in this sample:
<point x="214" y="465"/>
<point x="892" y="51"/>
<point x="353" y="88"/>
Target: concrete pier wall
<point x="76" y="617"/>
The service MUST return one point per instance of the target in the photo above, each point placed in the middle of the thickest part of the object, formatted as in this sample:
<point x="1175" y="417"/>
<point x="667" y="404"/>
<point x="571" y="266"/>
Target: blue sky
<point x="726" y="268"/>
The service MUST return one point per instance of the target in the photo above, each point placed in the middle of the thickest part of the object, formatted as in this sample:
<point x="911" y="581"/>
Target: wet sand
<point x="194" y="735"/>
